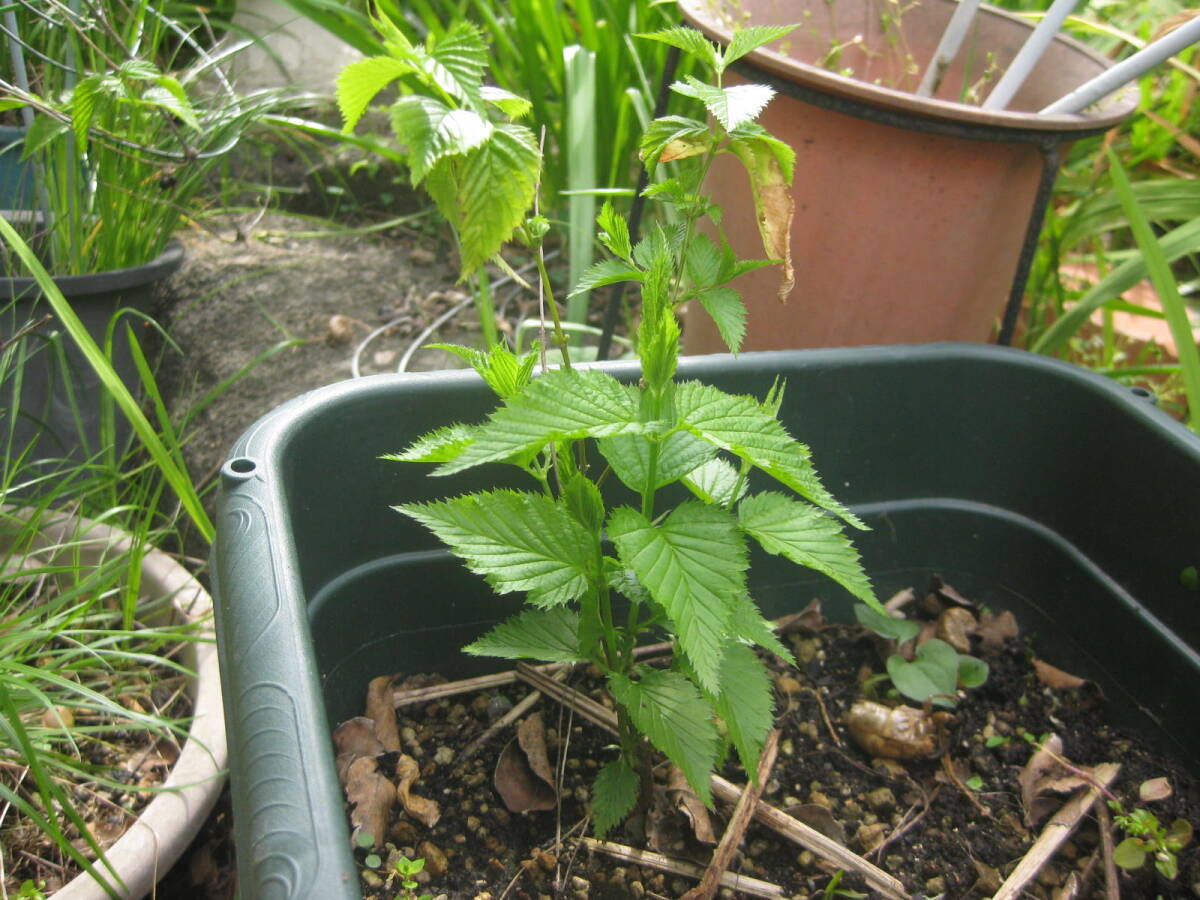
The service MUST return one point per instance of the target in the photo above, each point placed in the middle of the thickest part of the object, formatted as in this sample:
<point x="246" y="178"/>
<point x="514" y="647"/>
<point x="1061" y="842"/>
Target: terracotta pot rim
<point x="1106" y="113"/>
<point x="170" y="822"/>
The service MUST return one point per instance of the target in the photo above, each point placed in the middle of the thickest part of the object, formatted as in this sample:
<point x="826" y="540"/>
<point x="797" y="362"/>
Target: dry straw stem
<point x="1057" y="830"/>
<point x="650" y="859"/>
<point x="743" y="812"/>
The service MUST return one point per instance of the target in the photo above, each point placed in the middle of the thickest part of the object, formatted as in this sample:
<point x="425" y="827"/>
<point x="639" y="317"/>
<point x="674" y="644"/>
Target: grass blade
<point x="1165" y="285"/>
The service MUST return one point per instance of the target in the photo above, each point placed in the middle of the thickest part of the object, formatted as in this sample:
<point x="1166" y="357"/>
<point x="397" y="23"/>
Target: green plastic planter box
<point x="1026" y="483"/>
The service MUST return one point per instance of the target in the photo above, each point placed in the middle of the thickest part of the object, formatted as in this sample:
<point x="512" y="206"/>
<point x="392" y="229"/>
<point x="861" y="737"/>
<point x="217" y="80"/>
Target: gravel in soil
<point x="951" y="826"/>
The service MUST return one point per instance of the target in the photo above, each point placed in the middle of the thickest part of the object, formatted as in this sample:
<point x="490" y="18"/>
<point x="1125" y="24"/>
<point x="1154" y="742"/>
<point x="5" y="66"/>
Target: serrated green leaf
<point x="583" y="499"/>
<point x="551" y="635"/>
<point x="614" y="232"/>
<point x="563" y="404"/>
<point x="614" y="793"/>
<point x="931" y="676"/>
<point x="716" y="482"/>
<point x="688" y="40"/>
<point x="662" y="133"/>
<point x="805" y="535"/>
<point x="457" y="61"/>
<point x="668" y="709"/>
<point x="887" y="626"/>
<point x="784" y="155"/>
<point x="748" y="624"/>
<point x="609" y="271"/>
<point x="746" y="40"/>
<point x="360" y="81"/>
<point x="739" y="424"/>
<point x="731" y="106"/>
<point x="506" y="101"/>
<point x="702" y="262"/>
<point x="493" y="191"/>
<point x="678" y="454"/>
<point x="745" y="703"/>
<point x="433" y="131"/>
<point x="438" y="446"/>
<point x="725" y="307"/>
<point x="83" y="106"/>
<point x="505" y="373"/>
<point x="168" y="94"/>
<point x="693" y="564"/>
<point x="517" y="541"/>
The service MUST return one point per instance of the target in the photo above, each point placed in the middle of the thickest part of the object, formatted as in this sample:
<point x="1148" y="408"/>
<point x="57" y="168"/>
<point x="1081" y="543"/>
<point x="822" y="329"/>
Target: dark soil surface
<point x="953" y="825"/>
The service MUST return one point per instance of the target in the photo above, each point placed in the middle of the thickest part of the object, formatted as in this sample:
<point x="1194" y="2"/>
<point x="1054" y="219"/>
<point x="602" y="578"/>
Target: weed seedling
<point x="407" y="870"/>
<point x="1147" y="839"/>
<point x="936" y="671"/>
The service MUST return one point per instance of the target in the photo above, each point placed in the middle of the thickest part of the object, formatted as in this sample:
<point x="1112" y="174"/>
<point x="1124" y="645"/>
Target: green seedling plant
<point x="407" y="869"/>
<point x="692" y="474"/>
<point x="1146" y="839"/>
<point x="936" y="671"/>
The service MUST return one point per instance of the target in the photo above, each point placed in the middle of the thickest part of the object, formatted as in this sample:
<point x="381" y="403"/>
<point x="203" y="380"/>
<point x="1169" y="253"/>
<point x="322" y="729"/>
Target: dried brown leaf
<point x="955" y="626"/>
<point x="691" y="806"/>
<point x="994" y="630"/>
<point x="1154" y="789"/>
<point x="1056" y="678"/>
<point x="422" y="809"/>
<point x="523" y="777"/>
<point x="382" y="708"/>
<point x="1047" y="772"/>
<point x="371" y="797"/>
<point x="353" y="739"/>
<point x="948" y="594"/>
<point x="810" y="618"/>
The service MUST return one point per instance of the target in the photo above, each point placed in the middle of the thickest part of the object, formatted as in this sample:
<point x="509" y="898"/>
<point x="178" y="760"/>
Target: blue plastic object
<point x="1026" y="483"/>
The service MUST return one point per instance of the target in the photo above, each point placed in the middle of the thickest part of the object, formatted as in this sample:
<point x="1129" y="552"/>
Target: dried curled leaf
<point x="1056" y="678"/>
<point x="897" y="732"/>
<point x="523" y="777"/>
<point x="353" y="739"/>
<point x="1154" y="789"/>
<point x="1049" y="772"/>
<point x="422" y="809"/>
<point x="382" y="708"/>
<point x="371" y="798"/>
<point x="994" y="630"/>
<point x="690" y="806"/>
<point x="955" y="626"/>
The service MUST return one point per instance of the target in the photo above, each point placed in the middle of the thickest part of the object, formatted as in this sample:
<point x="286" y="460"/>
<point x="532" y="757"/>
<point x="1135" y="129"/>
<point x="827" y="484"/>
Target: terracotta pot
<point x="165" y="828"/>
<point x="911" y="213"/>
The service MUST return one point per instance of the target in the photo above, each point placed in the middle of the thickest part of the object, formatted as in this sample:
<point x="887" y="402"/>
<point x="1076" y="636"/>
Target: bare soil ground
<point x="315" y="301"/>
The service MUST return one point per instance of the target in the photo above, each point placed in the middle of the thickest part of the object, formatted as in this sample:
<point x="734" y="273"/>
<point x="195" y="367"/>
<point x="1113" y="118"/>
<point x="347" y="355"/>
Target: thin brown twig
<point x="948" y="768"/>
<point x="743" y="812"/>
<point x="495" y="680"/>
<point x="526" y="704"/>
<point x="752" y="886"/>
<point x="1112" y="890"/>
<point x="906" y="824"/>
<point x="825" y="716"/>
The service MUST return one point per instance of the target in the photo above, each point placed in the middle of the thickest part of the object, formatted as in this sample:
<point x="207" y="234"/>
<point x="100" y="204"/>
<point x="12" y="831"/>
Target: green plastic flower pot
<point x="1025" y="482"/>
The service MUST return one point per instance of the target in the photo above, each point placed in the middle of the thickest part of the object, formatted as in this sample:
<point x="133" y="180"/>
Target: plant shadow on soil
<point x="952" y="826"/>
